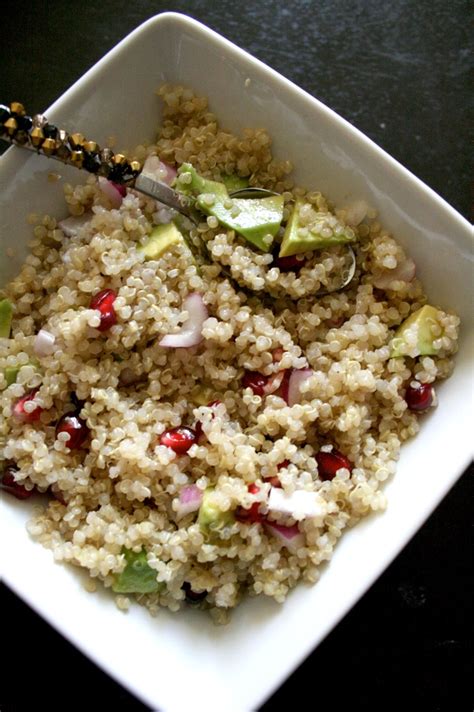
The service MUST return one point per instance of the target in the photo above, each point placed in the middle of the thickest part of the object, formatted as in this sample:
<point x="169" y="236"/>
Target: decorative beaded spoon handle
<point x="39" y="135"/>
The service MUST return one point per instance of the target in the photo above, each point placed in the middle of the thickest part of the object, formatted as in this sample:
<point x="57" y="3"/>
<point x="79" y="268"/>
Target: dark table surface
<point x="399" y="72"/>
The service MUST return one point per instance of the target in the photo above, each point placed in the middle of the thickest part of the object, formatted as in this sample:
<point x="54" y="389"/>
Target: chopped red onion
<point x="44" y="343"/>
<point x="403" y="272"/>
<point x="190" y="498"/>
<point x="297" y="377"/>
<point x="110" y="190"/>
<point x="291" y="537"/>
<point x="191" y="331"/>
<point x="71" y="225"/>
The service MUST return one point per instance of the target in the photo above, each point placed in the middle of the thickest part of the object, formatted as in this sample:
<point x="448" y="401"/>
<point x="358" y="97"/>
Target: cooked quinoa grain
<point x="195" y="475"/>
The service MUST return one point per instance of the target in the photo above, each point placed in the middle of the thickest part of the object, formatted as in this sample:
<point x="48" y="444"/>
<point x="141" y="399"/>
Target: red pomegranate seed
<point x="103" y="301"/>
<point x="179" y="439"/>
<point x="256" y="381"/>
<point x="419" y="397"/>
<point x="330" y="462"/>
<point x="75" y="427"/>
<point x="10" y="485"/>
<point x="252" y="514"/>
<point x="19" y="409"/>
<point x="289" y="264"/>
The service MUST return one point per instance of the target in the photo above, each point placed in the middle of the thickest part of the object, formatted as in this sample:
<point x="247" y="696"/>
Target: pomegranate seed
<point x="212" y="404"/>
<point x="19" y="409"/>
<point x="252" y="514"/>
<point x="10" y="485"/>
<point x="75" y="427"/>
<point x="193" y="596"/>
<point x="283" y="464"/>
<point x="103" y="301"/>
<point x="289" y="264"/>
<point x="179" y="439"/>
<point x="107" y="319"/>
<point x="256" y="381"/>
<point x="330" y="462"/>
<point x="419" y="397"/>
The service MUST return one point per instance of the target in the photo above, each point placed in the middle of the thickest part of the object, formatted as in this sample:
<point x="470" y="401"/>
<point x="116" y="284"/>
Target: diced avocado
<point x="426" y="322"/>
<point x="160" y="240"/>
<point x="234" y="182"/>
<point x="137" y="576"/>
<point x="197" y="184"/>
<point x="210" y="517"/>
<point x="251" y="218"/>
<point x="11" y="372"/>
<point x="6" y="314"/>
<point x="298" y="239"/>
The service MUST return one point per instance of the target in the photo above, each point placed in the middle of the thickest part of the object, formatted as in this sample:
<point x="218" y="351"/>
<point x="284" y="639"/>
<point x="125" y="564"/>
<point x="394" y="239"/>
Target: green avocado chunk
<point x="233" y="182"/>
<point x="137" y="576"/>
<point x="298" y="239"/>
<point x="160" y="240"/>
<point x="6" y="314"/>
<point x="11" y="373"/>
<point x="254" y="219"/>
<point x="425" y="325"/>
<point x="210" y="517"/>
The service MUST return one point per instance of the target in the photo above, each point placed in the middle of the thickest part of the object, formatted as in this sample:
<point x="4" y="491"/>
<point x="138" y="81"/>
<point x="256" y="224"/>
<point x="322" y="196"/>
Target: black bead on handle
<point x="38" y="134"/>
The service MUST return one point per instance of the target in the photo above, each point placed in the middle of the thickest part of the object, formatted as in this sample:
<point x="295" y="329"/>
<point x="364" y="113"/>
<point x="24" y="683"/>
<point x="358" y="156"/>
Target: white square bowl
<point x="181" y="661"/>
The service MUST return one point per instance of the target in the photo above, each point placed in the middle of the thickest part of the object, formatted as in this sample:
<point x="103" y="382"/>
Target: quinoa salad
<point x="202" y="409"/>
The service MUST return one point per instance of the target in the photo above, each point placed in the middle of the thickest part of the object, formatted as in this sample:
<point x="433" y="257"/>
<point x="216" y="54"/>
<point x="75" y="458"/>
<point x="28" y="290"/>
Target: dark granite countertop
<point x="399" y="72"/>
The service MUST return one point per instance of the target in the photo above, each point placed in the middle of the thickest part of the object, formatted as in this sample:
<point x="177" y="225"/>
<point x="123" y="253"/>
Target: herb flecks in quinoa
<point x="119" y="491"/>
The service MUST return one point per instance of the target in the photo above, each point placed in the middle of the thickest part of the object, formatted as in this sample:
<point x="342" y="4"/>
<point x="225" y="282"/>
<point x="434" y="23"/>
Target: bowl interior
<point x="264" y="641"/>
